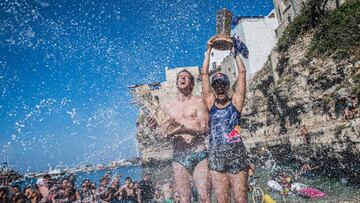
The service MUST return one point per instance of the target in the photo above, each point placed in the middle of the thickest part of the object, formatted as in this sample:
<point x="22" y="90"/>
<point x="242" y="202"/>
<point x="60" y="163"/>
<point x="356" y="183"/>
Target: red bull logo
<point x="234" y="135"/>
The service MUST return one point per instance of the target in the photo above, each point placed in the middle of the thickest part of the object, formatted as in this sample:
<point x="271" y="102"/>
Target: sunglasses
<point x="219" y="85"/>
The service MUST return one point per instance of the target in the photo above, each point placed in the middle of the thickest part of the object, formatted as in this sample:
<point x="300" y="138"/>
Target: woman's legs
<point x="220" y="184"/>
<point x="238" y="183"/>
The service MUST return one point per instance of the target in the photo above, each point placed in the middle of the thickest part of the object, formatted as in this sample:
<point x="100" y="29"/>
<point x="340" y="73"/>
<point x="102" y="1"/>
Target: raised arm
<point x="207" y="92"/>
<point x="238" y="97"/>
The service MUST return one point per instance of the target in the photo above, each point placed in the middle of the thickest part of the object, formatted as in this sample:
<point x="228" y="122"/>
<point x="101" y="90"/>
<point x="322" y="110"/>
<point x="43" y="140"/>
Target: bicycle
<point x="257" y="194"/>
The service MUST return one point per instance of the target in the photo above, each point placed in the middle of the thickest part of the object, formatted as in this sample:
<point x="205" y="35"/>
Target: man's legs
<point x="182" y="182"/>
<point x="202" y="181"/>
<point x="220" y="184"/>
<point x="238" y="184"/>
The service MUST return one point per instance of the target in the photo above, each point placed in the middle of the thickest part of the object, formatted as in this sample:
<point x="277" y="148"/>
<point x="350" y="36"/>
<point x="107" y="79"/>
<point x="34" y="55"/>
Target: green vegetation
<point x="310" y="16"/>
<point x="336" y="33"/>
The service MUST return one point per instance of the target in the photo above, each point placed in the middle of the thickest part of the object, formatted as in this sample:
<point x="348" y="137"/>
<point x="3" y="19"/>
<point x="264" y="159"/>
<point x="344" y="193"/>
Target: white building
<point x="258" y="33"/>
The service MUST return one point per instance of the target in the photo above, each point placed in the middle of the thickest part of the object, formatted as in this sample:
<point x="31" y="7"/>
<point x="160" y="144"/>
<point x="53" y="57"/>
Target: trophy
<point x="148" y="103"/>
<point x="223" y="30"/>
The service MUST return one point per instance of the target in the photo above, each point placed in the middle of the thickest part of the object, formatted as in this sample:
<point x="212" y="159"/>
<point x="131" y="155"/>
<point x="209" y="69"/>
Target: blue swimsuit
<point x="227" y="152"/>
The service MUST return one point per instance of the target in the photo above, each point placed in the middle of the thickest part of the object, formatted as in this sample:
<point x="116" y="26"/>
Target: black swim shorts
<point x="189" y="159"/>
<point x="231" y="157"/>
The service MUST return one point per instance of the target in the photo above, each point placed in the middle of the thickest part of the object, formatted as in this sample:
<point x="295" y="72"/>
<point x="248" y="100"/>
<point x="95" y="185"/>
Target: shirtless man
<point x="44" y="188"/>
<point x="187" y="126"/>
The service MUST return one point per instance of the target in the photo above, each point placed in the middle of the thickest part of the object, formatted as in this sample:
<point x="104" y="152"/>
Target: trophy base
<point x="223" y="43"/>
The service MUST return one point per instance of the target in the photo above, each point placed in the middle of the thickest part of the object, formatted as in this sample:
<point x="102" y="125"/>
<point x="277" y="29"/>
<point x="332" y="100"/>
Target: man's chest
<point x="184" y="111"/>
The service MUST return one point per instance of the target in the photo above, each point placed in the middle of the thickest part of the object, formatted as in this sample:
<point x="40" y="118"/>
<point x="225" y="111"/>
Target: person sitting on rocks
<point x="285" y="182"/>
<point x="304" y="134"/>
<point x="306" y="170"/>
<point x="350" y="109"/>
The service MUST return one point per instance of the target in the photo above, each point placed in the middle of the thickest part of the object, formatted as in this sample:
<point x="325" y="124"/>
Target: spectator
<point x="158" y="197"/>
<point x="86" y="194"/>
<point x="304" y="134"/>
<point x="4" y="194"/>
<point x="147" y="189"/>
<point x="137" y="192"/>
<point x="17" y="196"/>
<point x="104" y="193"/>
<point x="44" y="185"/>
<point x="350" y="109"/>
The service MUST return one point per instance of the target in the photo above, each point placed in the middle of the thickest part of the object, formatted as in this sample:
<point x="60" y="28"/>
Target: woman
<point x="227" y="154"/>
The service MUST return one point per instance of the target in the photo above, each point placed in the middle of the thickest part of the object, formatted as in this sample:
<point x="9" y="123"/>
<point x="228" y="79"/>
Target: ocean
<point x="135" y="172"/>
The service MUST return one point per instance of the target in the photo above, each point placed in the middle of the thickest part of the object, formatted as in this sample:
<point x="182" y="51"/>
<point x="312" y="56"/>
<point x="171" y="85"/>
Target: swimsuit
<point x="227" y="152"/>
<point x="189" y="154"/>
<point x="189" y="159"/>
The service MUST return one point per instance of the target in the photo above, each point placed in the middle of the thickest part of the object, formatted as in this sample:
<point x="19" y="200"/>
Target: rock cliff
<point x="294" y="90"/>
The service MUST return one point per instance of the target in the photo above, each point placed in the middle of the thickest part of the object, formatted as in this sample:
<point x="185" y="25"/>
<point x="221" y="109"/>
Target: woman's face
<point x="221" y="89"/>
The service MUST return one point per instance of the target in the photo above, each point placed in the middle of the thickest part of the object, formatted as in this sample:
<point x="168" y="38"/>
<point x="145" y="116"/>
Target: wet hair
<point x="65" y="179"/>
<point x="46" y="176"/>
<point x="192" y="79"/>
<point x="34" y="187"/>
<point x="128" y="178"/>
<point x="3" y="189"/>
<point x="86" y="180"/>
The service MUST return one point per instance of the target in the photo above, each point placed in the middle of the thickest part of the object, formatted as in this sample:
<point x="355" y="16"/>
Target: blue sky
<point x="65" y="65"/>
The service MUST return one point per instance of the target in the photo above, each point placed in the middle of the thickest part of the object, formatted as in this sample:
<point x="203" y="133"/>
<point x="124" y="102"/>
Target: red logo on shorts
<point x="234" y="135"/>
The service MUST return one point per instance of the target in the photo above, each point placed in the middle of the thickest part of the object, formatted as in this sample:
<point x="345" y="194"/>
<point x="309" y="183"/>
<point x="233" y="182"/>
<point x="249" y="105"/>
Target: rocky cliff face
<point x="294" y="90"/>
<point x="291" y="91"/>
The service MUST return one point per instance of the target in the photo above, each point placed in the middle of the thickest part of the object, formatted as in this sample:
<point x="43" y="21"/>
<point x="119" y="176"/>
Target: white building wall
<point x="259" y="36"/>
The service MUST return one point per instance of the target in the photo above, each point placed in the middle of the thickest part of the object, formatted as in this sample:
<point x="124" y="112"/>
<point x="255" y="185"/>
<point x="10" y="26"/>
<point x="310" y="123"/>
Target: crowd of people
<point x="63" y="190"/>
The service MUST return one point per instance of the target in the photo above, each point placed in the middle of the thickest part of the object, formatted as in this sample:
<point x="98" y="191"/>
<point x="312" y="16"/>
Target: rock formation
<point x="295" y="89"/>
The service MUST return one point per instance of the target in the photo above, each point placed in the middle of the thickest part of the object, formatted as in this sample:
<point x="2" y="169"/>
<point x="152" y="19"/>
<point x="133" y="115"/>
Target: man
<point x="104" y="193"/>
<point x="44" y="185"/>
<point x="349" y="111"/>
<point x="304" y="134"/>
<point x="17" y="196"/>
<point x="187" y="127"/>
<point x="227" y="154"/>
<point x="147" y="189"/>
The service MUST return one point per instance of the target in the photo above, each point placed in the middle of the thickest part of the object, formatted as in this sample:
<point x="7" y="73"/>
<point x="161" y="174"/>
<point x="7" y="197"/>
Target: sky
<point x="65" y="66"/>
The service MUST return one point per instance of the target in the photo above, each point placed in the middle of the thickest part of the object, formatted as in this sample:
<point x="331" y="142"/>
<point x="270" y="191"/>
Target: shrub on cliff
<point x="310" y="16"/>
<point x="338" y="34"/>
